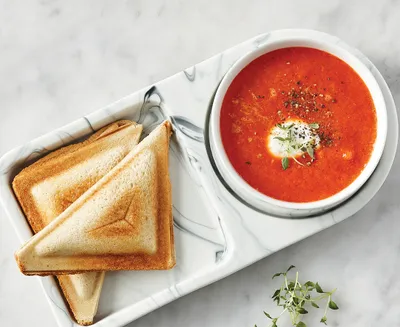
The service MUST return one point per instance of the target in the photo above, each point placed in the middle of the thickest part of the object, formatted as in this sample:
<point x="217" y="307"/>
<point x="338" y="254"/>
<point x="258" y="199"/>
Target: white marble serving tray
<point x="215" y="233"/>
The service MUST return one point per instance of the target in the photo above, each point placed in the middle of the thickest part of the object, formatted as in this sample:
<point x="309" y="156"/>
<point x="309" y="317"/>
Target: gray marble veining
<point x="104" y="51"/>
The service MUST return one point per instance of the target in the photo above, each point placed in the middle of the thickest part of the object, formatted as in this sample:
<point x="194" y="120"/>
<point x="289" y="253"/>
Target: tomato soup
<point x="298" y="124"/>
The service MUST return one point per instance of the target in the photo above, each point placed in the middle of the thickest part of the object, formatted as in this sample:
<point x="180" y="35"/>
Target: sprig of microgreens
<point x="293" y="296"/>
<point x="291" y="146"/>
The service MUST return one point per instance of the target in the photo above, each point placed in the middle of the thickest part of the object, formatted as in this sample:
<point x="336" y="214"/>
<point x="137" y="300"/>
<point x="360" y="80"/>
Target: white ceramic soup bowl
<point x="258" y="200"/>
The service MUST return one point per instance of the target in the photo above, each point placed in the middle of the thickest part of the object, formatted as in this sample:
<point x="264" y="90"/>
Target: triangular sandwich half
<point x="124" y="222"/>
<point x="50" y="185"/>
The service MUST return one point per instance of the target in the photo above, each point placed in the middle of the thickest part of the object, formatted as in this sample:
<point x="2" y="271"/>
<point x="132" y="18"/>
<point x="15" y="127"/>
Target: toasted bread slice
<point x="124" y="222"/>
<point x="47" y="187"/>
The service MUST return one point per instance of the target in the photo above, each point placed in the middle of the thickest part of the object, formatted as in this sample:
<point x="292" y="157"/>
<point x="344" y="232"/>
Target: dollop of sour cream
<point x="291" y="138"/>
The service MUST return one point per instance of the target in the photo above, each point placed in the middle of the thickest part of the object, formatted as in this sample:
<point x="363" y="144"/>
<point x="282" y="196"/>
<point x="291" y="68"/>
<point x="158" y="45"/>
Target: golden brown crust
<point x="163" y="258"/>
<point x="82" y="305"/>
<point x="49" y="166"/>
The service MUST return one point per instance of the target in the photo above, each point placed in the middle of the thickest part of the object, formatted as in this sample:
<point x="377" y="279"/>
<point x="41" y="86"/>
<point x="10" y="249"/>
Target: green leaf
<point x="281" y="127"/>
<point x="310" y="151"/>
<point x="268" y="315"/>
<point x="293" y="296"/>
<point x="277" y="275"/>
<point x="315" y="305"/>
<point x="310" y="284"/>
<point x="318" y="288"/>
<point x="290" y="126"/>
<point x="279" y="138"/>
<point x="301" y="311"/>
<point x="276" y="293"/>
<point x="314" y="125"/>
<point x="333" y="305"/>
<point x="285" y="163"/>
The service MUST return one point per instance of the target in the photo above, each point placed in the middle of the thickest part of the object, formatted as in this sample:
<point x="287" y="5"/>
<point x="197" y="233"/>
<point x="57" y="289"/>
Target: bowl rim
<point x="291" y="38"/>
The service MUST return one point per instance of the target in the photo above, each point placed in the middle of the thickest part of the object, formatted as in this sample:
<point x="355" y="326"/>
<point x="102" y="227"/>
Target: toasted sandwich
<point x="50" y="185"/>
<point x="123" y="222"/>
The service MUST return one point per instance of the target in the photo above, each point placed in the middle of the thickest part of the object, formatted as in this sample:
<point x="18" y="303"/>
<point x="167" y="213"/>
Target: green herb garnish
<point x="310" y="151"/>
<point x="314" y="125"/>
<point x="293" y="297"/>
<point x="285" y="163"/>
<point x="292" y="145"/>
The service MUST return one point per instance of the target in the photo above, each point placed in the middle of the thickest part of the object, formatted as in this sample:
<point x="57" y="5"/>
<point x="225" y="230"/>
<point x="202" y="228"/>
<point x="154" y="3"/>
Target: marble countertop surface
<point x="61" y="60"/>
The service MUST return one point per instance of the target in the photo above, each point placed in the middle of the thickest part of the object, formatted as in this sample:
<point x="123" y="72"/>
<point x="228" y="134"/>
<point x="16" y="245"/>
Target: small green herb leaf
<point x="277" y="275"/>
<point x="301" y="324"/>
<point x="314" y="125"/>
<point x="323" y="320"/>
<point x="310" y="151"/>
<point x="290" y="268"/>
<point x="290" y="126"/>
<point x="309" y="284"/>
<point x="315" y="305"/>
<point x="301" y="311"/>
<point x="285" y="163"/>
<point x="280" y="138"/>
<point x="333" y="305"/>
<point x="268" y="315"/>
<point x="276" y="293"/>
<point x="318" y="288"/>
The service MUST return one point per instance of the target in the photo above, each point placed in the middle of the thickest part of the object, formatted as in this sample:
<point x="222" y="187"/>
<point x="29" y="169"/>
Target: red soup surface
<point x="298" y="124"/>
